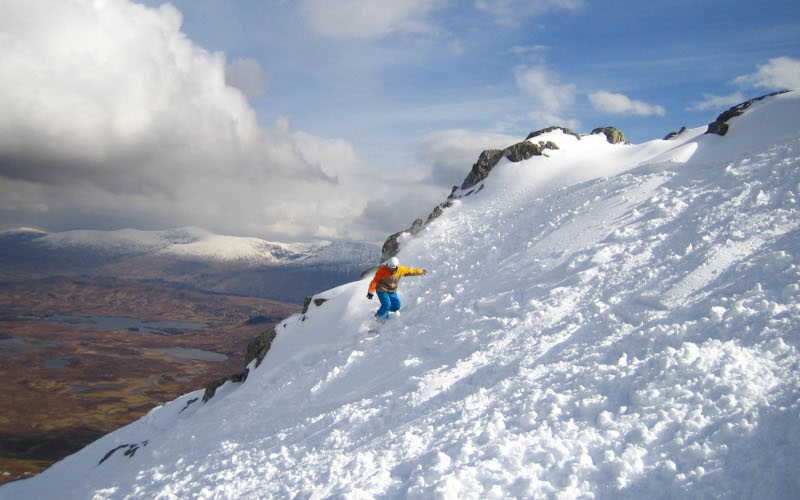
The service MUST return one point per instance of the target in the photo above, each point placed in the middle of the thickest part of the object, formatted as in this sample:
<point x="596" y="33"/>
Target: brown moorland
<point x="65" y="384"/>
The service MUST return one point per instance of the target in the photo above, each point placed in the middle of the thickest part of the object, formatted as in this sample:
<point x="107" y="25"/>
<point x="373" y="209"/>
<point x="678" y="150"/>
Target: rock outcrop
<point x="720" y="125"/>
<point x="675" y="133"/>
<point x="487" y="160"/>
<point x="490" y="158"/>
<point x="392" y="244"/>
<point x="552" y="129"/>
<point x="256" y="350"/>
<point x="613" y="134"/>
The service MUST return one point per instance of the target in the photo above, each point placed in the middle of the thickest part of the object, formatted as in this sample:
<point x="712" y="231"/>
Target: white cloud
<point x="334" y="156"/>
<point x="620" y="104"/>
<point x="778" y="73"/>
<point x="551" y="96"/>
<point x="111" y="113"/>
<point x="523" y="50"/>
<point x="711" y="101"/>
<point x="510" y="12"/>
<point x="450" y="154"/>
<point x="370" y="18"/>
<point x="248" y="76"/>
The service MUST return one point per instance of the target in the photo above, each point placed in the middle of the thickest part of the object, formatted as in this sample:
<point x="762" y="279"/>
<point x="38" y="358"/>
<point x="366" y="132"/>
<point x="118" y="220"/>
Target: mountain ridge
<point x="187" y="258"/>
<point x="194" y="243"/>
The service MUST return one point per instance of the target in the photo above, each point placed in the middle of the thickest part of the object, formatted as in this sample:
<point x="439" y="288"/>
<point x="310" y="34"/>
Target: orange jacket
<point x="386" y="282"/>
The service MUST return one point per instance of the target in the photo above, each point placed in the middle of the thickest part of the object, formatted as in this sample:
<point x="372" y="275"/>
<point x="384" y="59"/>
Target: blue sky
<point x="293" y="120"/>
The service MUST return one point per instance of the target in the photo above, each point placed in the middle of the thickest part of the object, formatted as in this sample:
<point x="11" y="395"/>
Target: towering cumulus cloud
<point x="111" y="96"/>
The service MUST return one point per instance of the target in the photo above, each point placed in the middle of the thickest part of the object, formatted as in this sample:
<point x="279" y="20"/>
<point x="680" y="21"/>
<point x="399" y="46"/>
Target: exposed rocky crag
<point x="613" y="134"/>
<point x="552" y="129"/>
<point x="256" y="350"/>
<point x="490" y="158"/>
<point x="720" y="125"/>
<point x="487" y="160"/>
<point x="675" y="133"/>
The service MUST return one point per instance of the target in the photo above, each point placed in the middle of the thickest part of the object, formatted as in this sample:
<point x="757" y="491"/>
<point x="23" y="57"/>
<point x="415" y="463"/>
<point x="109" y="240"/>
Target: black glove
<point x="424" y="272"/>
<point x="369" y="296"/>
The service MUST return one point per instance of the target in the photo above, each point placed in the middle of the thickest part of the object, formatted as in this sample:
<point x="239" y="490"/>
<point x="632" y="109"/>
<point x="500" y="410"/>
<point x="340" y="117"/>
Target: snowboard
<point x="375" y="324"/>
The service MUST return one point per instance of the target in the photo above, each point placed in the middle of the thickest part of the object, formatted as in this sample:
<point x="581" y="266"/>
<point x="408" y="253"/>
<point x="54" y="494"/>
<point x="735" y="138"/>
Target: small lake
<point x="183" y="354"/>
<point x="117" y="324"/>
<point x="56" y="363"/>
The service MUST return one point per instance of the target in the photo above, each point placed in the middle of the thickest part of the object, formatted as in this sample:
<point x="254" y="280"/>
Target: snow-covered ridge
<point x="199" y="244"/>
<point x="608" y="322"/>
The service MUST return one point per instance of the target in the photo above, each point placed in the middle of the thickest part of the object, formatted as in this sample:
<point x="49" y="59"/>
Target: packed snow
<point x="611" y="321"/>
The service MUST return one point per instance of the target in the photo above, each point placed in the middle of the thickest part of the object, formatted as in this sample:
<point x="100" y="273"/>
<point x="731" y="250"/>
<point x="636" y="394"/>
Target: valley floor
<point x="67" y="384"/>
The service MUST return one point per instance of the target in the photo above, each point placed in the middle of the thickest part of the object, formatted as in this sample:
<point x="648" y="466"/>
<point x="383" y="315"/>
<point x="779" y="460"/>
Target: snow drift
<point x="606" y="321"/>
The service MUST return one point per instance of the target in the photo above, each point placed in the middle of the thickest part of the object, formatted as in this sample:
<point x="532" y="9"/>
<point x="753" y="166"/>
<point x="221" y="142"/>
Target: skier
<point x="385" y="283"/>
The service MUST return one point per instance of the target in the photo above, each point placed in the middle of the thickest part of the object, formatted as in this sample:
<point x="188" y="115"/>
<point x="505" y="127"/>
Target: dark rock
<point x="391" y="246"/>
<point x="720" y="125"/>
<point x="613" y="134"/>
<point x="307" y="303"/>
<point x="439" y="210"/>
<point x="489" y="159"/>
<point x="130" y="452"/>
<point x="551" y="129"/>
<point x="522" y="151"/>
<point x="258" y="347"/>
<point x="675" y="134"/>
<point x="480" y="170"/>
<point x="486" y="162"/>
<point x="211" y="388"/>
<point x="189" y="403"/>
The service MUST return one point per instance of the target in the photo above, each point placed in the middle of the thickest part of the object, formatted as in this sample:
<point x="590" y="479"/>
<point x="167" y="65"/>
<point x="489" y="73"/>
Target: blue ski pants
<point x="390" y="302"/>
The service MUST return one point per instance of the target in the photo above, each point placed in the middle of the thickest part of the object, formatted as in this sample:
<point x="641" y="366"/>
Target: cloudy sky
<point x="300" y="119"/>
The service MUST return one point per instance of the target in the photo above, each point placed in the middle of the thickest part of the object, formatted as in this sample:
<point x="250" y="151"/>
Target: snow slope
<point x="191" y="243"/>
<point x="612" y="321"/>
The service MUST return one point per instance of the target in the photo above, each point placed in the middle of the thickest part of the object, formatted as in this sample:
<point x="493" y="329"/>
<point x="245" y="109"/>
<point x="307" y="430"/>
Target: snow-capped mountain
<point x="190" y="258"/>
<point x="193" y="243"/>
<point x="600" y="321"/>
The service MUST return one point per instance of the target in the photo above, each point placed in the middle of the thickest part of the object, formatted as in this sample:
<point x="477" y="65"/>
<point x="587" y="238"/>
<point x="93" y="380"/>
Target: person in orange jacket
<point x="385" y="284"/>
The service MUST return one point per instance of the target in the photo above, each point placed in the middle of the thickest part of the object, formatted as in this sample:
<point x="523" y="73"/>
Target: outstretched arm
<point x="407" y="271"/>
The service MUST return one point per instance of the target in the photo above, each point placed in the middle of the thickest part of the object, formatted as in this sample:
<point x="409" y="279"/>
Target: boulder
<point x="522" y="151"/>
<point x="613" y="134"/>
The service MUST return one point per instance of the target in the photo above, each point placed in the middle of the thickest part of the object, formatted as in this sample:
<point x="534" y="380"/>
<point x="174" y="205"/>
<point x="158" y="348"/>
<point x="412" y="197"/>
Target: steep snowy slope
<point x="611" y="321"/>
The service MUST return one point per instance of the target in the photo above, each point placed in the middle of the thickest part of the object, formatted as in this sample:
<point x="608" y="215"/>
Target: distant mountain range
<point x="190" y="257"/>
